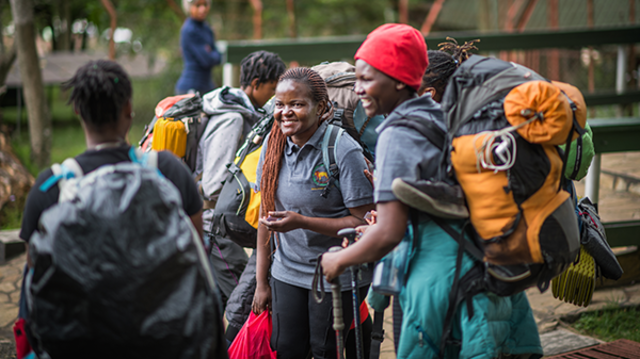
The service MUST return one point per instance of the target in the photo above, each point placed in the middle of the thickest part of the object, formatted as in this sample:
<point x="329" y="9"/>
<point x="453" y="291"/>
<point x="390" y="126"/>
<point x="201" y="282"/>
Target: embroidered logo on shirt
<point x="320" y="176"/>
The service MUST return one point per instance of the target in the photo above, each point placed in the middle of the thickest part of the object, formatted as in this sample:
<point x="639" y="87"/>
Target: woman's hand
<point x="331" y="266"/>
<point x="371" y="217"/>
<point x="262" y="298"/>
<point x="283" y="221"/>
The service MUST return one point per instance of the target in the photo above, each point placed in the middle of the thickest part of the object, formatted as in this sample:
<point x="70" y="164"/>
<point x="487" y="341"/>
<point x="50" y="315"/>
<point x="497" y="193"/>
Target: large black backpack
<point x="119" y="270"/>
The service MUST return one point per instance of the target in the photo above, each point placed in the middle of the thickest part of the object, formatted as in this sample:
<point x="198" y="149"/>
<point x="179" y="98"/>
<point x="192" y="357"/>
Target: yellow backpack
<point x="177" y="127"/>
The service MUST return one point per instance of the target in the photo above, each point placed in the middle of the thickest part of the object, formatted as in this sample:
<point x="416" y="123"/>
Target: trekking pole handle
<point x="336" y="291"/>
<point x="338" y="318"/>
<point x="349" y="233"/>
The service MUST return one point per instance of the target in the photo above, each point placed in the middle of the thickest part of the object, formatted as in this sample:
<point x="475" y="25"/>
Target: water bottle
<point x="389" y="273"/>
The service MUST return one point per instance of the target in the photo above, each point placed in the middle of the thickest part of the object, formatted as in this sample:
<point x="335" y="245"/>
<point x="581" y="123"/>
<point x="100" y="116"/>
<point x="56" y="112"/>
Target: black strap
<point x="334" y="171"/>
<point x="377" y="335"/>
<point x="427" y="128"/>
<point x="317" y="285"/>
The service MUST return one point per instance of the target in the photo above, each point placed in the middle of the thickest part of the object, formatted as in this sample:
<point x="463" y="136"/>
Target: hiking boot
<point x="437" y="198"/>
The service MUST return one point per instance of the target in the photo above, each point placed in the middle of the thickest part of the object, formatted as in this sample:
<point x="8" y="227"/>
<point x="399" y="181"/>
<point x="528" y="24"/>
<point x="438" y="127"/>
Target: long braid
<point x="277" y="140"/>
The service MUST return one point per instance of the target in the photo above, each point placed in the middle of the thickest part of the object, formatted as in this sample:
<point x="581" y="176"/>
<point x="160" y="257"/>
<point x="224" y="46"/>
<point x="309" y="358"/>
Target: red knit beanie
<point x="398" y="50"/>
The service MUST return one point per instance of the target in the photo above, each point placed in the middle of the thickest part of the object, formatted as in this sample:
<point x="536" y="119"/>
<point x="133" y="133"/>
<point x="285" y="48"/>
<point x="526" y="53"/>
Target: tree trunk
<point x="33" y="89"/>
<point x="114" y="22"/>
<point x="177" y="10"/>
<point x="403" y="11"/>
<point x="257" y="19"/>
<point x="64" y="36"/>
<point x="291" y="13"/>
<point x="7" y="58"/>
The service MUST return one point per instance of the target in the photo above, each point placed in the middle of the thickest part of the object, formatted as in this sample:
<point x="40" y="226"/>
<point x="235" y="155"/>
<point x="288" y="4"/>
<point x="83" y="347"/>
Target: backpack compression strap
<point x="330" y="154"/>
<point x="427" y="128"/>
<point x="567" y="148"/>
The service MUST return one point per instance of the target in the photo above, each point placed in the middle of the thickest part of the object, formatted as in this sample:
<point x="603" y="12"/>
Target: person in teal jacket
<point x="389" y="67"/>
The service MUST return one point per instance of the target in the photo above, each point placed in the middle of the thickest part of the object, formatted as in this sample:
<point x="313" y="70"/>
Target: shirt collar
<point x="314" y="141"/>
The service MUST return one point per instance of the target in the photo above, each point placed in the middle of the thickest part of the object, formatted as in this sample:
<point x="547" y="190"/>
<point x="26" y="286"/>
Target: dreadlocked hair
<point x="100" y="90"/>
<point x="444" y="62"/>
<point x="277" y="140"/>
<point x="262" y="65"/>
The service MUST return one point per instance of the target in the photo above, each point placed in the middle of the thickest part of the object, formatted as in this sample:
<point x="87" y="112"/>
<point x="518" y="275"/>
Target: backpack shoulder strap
<point x="329" y="154"/>
<point x="61" y="173"/>
<point x="145" y="159"/>
<point x="427" y="128"/>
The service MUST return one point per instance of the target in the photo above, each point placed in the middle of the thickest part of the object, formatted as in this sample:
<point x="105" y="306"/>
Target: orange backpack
<point x="505" y="123"/>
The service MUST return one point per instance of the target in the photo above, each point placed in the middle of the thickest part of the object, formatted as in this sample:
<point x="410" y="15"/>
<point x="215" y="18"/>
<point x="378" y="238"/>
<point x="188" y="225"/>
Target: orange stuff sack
<point x="575" y="95"/>
<point x="545" y="102"/>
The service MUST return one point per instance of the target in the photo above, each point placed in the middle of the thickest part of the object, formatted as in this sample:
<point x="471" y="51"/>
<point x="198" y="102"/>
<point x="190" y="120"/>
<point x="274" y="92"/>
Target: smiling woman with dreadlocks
<point x="305" y="207"/>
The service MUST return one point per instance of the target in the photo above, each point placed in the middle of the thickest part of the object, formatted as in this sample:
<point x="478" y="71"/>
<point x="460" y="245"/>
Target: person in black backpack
<point x="69" y="314"/>
<point x="389" y="67"/>
<point x="232" y="112"/>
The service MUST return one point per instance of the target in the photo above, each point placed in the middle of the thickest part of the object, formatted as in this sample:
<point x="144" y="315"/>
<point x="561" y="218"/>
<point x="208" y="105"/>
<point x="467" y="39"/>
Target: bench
<point x="10" y="245"/>
<point x="628" y="179"/>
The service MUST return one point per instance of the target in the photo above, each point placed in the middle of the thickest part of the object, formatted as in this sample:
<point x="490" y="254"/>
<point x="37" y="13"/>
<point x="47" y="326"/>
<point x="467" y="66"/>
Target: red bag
<point x="252" y="342"/>
<point x="22" y="345"/>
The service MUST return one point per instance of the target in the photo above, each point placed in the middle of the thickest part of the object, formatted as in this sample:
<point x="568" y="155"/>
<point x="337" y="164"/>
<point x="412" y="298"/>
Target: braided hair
<point x="277" y="139"/>
<point x="443" y="63"/>
<point x="262" y="65"/>
<point x="100" y="90"/>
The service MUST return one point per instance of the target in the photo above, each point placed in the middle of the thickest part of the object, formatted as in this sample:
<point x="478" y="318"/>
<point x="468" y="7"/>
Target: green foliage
<point x="11" y="215"/>
<point x="611" y="323"/>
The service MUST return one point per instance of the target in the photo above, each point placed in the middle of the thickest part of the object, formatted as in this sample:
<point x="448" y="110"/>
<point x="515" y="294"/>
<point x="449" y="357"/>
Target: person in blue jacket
<point x="199" y="51"/>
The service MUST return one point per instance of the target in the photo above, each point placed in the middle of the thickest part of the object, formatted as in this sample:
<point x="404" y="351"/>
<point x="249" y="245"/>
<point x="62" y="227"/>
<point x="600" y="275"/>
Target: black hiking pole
<point x="350" y="234"/>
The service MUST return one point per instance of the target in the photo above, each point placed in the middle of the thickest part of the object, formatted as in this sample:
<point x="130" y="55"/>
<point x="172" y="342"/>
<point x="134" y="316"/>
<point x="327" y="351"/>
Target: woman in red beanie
<point x="389" y="67"/>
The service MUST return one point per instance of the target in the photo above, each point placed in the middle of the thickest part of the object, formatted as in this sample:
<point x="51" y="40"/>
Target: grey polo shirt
<point x="403" y="152"/>
<point x="302" y="179"/>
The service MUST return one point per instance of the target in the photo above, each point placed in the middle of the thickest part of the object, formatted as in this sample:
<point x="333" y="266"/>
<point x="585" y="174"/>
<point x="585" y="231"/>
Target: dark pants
<point x="239" y="303"/>
<point x="227" y="262"/>
<point x="301" y="324"/>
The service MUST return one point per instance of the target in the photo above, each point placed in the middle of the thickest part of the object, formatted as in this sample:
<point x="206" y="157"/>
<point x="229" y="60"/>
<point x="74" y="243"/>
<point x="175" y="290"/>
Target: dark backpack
<point x="180" y="123"/>
<point x="348" y="114"/>
<point x="474" y="105"/>
<point x="119" y="270"/>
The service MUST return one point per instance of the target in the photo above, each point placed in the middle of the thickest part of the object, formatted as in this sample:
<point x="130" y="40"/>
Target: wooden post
<point x="553" y="55"/>
<point x="114" y="22"/>
<point x="257" y="18"/>
<point x="291" y="12"/>
<point x="403" y="11"/>
<point x="431" y="17"/>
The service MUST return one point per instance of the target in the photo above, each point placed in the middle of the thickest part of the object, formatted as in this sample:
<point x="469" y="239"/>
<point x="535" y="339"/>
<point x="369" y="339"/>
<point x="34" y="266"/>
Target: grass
<point x="611" y="323"/>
